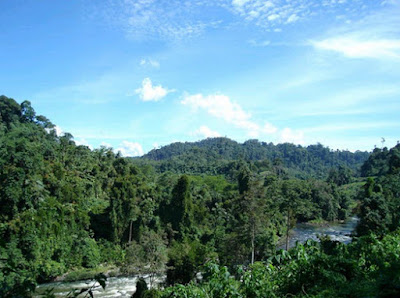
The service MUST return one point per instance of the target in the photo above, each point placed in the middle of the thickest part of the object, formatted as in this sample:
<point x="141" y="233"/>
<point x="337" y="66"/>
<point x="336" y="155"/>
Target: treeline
<point x="216" y="156"/>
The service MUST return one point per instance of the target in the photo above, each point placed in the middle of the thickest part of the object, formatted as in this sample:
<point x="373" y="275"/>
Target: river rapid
<point x="115" y="287"/>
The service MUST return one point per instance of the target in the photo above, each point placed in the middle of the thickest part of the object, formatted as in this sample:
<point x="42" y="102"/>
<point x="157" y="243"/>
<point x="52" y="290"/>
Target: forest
<point x="207" y="215"/>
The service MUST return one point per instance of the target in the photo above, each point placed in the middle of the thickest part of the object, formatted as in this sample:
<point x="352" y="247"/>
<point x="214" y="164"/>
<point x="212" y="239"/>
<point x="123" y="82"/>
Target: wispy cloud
<point x="272" y="14"/>
<point x="350" y="126"/>
<point x="144" y="19"/>
<point x="356" y="100"/>
<point x="257" y="43"/>
<point x="149" y="62"/>
<point x="99" y="90"/>
<point x="269" y="14"/>
<point x="355" y="47"/>
<point x="374" y="36"/>
<point x="148" y="92"/>
<point x="177" y="20"/>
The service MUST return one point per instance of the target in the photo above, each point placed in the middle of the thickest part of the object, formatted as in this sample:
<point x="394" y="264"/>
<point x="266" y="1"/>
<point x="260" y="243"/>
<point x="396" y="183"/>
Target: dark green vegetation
<point x="218" y="155"/>
<point x="186" y="207"/>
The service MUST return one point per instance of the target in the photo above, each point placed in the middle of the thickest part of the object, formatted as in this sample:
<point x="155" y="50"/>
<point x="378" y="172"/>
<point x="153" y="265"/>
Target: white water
<point x="115" y="287"/>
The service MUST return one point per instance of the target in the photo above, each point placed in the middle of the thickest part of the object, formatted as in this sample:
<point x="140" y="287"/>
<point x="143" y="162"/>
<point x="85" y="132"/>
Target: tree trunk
<point x="130" y="232"/>
<point x="252" y="244"/>
<point x="287" y="229"/>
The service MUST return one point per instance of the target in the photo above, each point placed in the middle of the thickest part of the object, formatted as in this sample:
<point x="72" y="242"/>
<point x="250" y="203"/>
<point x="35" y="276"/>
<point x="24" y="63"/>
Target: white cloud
<point x="130" y="149"/>
<point x="178" y="20"/>
<point x="293" y="18"/>
<point x="272" y="13"/>
<point x="373" y="35"/>
<point x="239" y="3"/>
<point x="148" y="19"/>
<point x="57" y="129"/>
<point x="256" y="43"/>
<point x="288" y="135"/>
<point x="351" y="101"/>
<point x="148" y="92"/>
<point x="269" y="128"/>
<point x="150" y="62"/>
<point x="105" y="144"/>
<point x="222" y="107"/>
<point x="355" y="47"/>
<point x="83" y="142"/>
<point x="99" y="90"/>
<point x="205" y="132"/>
<point x="273" y="17"/>
<point x="351" y="126"/>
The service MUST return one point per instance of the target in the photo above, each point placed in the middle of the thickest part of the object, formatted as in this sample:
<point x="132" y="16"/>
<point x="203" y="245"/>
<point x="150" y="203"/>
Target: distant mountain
<point x="209" y="155"/>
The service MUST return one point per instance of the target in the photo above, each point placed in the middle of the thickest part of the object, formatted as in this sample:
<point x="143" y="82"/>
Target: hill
<point x="214" y="155"/>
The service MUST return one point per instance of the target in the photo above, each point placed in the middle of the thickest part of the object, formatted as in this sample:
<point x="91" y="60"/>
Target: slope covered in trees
<point x="65" y="208"/>
<point x="214" y="155"/>
<point x="368" y="267"/>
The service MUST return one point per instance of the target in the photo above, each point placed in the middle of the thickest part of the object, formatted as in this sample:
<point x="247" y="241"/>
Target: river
<point x="336" y="231"/>
<point x="115" y="287"/>
<point x="126" y="286"/>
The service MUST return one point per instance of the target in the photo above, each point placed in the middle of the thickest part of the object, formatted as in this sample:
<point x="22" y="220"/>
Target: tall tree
<point x="181" y="206"/>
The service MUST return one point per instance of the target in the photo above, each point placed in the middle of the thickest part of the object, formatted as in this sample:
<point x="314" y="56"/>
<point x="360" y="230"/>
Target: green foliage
<point x="185" y="260"/>
<point x="379" y="210"/>
<point x="148" y="256"/>
<point x="123" y="205"/>
<point x="220" y="155"/>
<point x="64" y="207"/>
<point x="180" y="209"/>
<point x="367" y="267"/>
<point x="382" y="162"/>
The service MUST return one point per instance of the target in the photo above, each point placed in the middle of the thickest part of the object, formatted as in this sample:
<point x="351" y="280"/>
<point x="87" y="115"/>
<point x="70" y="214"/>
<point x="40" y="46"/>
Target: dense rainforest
<point x="215" y="156"/>
<point x="214" y="208"/>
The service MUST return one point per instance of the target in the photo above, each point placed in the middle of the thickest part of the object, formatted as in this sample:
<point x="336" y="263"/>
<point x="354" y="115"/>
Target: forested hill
<point x="212" y="155"/>
<point x="381" y="162"/>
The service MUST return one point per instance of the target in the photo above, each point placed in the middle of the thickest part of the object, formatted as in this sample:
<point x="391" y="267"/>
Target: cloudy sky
<point x="138" y="74"/>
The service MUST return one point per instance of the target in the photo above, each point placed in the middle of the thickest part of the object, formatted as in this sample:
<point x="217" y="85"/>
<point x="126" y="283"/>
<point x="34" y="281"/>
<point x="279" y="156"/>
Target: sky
<point x="138" y="75"/>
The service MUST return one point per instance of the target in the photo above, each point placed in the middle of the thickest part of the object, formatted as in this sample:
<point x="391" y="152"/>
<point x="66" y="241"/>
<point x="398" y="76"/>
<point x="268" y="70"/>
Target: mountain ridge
<point x="314" y="159"/>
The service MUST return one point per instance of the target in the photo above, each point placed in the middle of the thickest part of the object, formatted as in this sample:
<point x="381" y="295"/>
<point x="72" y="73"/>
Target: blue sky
<point x="136" y="75"/>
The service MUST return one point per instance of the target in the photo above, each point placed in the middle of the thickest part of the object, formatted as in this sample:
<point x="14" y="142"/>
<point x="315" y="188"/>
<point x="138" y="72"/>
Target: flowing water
<point x="115" y="287"/>
<point x="126" y="286"/>
<point x="336" y="231"/>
